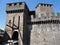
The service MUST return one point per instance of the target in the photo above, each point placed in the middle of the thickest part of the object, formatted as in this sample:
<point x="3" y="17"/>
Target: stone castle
<point x="25" y="27"/>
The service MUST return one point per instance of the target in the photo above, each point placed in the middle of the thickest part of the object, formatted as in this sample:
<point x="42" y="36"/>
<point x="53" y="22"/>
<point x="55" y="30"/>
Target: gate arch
<point x="15" y="35"/>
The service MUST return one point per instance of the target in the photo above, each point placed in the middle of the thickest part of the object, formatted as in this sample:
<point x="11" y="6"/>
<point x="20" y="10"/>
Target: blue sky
<point x="31" y="4"/>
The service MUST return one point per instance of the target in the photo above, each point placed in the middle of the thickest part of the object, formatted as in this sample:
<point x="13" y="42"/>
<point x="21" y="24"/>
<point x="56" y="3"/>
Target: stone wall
<point x="34" y="34"/>
<point x="45" y="34"/>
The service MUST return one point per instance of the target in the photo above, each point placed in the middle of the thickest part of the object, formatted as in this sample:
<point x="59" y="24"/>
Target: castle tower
<point x="24" y="27"/>
<point x="16" y="22"/>
<point x="45" y="31"/>
<point x="44" y="10"/>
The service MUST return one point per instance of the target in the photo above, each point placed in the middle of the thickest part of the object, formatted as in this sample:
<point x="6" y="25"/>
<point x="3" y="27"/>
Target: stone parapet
<point x="15" y="6"/>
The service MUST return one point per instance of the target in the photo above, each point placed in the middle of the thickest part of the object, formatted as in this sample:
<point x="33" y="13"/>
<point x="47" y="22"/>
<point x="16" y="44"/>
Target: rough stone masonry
<point x="25" y="27"/>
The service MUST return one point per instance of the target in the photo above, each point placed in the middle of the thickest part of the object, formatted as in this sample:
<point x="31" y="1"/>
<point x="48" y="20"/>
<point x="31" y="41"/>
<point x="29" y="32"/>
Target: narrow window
<point x="9" y="21"/>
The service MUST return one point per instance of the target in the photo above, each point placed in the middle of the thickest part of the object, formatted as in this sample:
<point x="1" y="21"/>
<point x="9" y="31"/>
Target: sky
<point x="31" y="5"/>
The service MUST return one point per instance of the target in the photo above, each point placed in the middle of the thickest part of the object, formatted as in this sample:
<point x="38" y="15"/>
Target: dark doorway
<point x="15" y="35"/>
<point x="16" y="43"/>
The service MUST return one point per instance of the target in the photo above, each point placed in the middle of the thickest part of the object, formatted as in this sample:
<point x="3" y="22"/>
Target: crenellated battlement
<point x="15" y="6"/>
<point x="43" y="10"/>
<point x="42" y="4"/>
